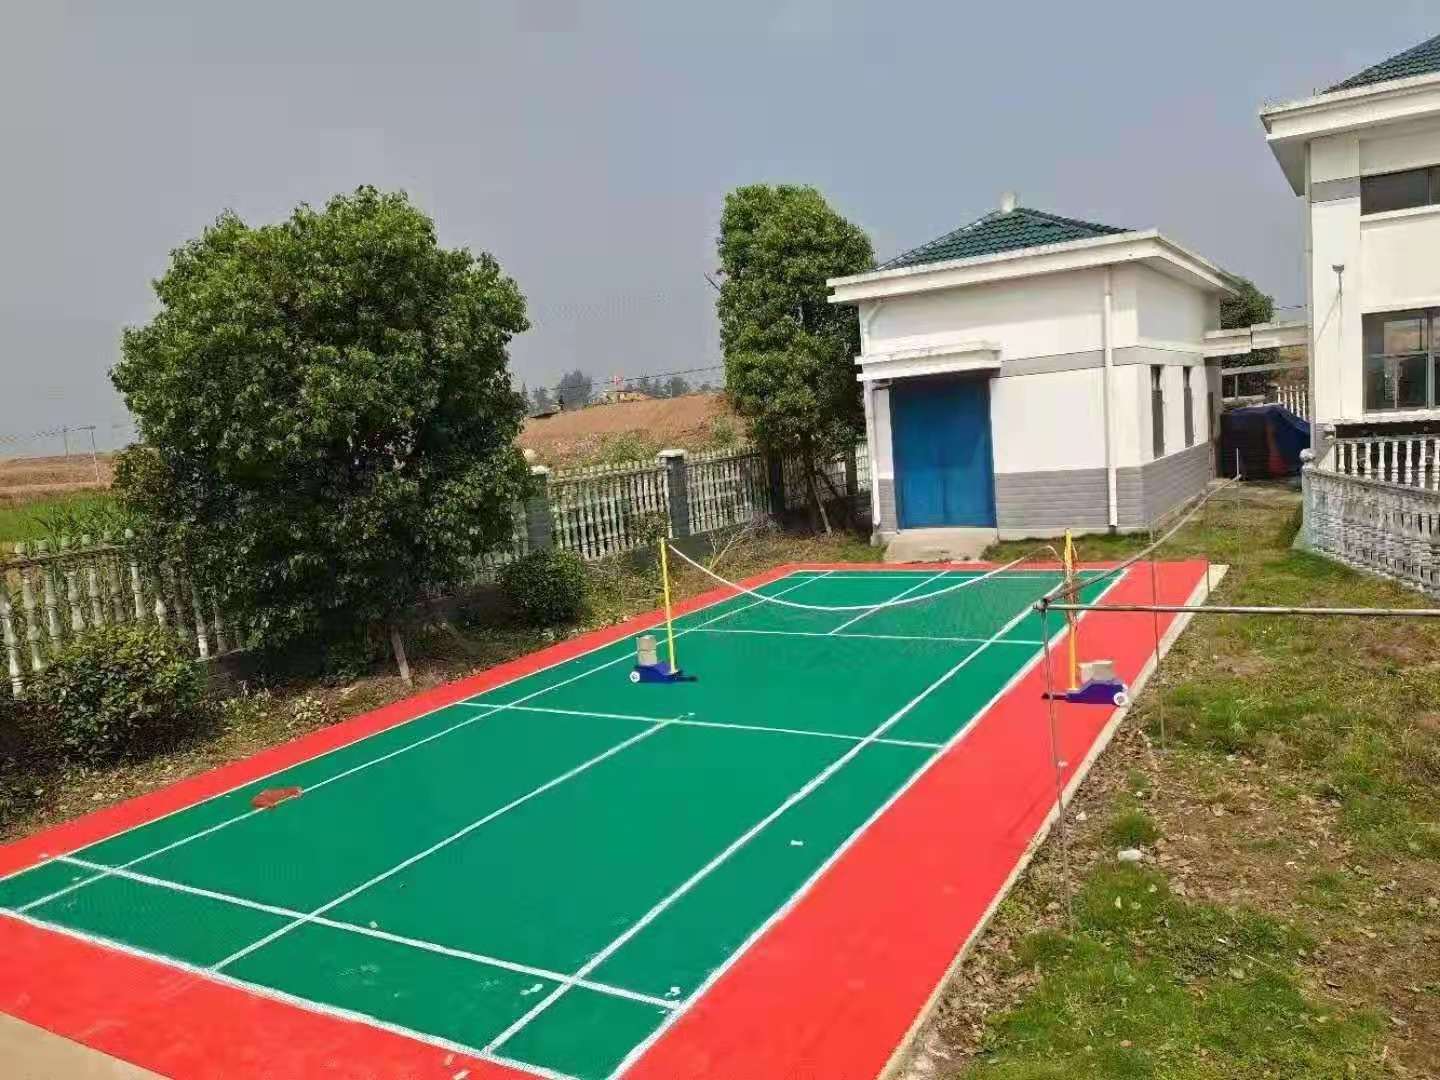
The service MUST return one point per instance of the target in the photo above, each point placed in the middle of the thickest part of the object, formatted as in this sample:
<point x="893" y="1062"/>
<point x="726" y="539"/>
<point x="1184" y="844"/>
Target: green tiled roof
<point x="1423" y="59"/>
<point x="999" y="231"/>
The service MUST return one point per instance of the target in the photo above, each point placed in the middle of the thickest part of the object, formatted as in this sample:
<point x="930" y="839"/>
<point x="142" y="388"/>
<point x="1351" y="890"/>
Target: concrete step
<point x="939" y="545"/>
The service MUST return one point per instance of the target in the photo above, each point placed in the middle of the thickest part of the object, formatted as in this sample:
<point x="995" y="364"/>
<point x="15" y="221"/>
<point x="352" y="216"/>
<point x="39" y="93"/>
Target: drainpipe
<point x="1106" y="337"/>
<point x="867" y="397"/>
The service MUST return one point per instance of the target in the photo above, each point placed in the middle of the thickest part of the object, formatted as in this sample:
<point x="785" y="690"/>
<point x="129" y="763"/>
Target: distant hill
<point x="631" y="429"/>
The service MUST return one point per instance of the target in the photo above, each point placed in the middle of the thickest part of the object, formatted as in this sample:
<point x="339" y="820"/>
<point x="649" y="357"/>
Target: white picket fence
<point x="1293" y="396"/>
<point x="48" y="596"/>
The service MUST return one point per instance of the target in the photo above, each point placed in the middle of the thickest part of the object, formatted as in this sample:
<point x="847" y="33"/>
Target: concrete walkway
<point x="32" y="1053"/>
<point x="939" y="545"/>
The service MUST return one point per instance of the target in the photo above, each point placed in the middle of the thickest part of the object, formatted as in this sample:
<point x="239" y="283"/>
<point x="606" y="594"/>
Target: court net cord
<point x="902" y="601"/>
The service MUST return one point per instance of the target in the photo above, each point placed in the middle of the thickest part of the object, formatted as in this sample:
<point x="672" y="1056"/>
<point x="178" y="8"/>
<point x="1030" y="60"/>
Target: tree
<point x="788" y="350"/>
<point x="1251" y="306"/>
<point x="541" y="400"/>
<point x="646" y="385"/>
<point x="675" y="386"/>
<point x="576" y="389"/>
<point x="327" y="415"/>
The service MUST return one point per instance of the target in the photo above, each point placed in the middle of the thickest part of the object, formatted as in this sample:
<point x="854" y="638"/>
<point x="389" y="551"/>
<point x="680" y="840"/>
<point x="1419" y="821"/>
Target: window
<point x="1400" y="190"/>
<point x="1189" y="409"/>
<point x="1157" y="410"/>
<point x="1401" y="359"/>
<point x="1209" y="415"/>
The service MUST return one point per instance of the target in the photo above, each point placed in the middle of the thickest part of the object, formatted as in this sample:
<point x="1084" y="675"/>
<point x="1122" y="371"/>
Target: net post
<point x="1073" y="595"/>
<point x="665" y="586"/>
<point x="1058" y="766"/>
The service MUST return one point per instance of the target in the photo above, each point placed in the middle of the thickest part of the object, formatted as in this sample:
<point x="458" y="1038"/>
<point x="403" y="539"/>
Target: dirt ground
<point x="688" y="422"/>
<point x="29" y="479"/>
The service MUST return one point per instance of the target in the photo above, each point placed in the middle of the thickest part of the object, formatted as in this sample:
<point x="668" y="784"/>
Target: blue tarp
<point x="1269" y="439"/>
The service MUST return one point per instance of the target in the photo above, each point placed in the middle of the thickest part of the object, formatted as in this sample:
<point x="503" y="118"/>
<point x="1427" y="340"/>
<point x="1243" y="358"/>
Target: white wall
<point x="1171" y="312"/>
<point x="1052" y="421"/>
<point x="1040" y="316"/>
<point x="1400" y="260"/>
<point x="1390" y="260"/>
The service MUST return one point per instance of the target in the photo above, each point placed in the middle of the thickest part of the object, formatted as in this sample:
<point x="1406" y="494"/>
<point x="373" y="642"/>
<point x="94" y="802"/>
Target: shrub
<point x="119" y="691"/>
<point x="545" y="587"/>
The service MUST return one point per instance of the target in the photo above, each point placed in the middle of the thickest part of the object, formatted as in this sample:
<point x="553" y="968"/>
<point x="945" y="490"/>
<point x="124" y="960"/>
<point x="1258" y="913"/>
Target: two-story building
<point x="1365" y="156"/>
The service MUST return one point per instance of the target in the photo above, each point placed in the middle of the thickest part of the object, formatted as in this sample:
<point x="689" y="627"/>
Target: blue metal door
<point x="941" y="434"/>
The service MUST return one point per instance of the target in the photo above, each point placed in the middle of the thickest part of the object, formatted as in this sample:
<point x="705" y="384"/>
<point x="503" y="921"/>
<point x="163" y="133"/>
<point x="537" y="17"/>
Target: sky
<point x="589" y="145"/>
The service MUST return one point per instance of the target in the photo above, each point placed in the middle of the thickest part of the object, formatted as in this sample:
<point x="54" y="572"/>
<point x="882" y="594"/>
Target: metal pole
<point x="1155" y="622"/>
<point x="94" y="454"/>
<point x="1248" y="609"/>
<point x="1059" y="767"/>
<point x="65" y="434"/>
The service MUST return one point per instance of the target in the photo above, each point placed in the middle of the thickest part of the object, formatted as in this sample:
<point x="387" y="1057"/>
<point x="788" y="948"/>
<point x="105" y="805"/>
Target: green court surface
<point x="545" y="872"/>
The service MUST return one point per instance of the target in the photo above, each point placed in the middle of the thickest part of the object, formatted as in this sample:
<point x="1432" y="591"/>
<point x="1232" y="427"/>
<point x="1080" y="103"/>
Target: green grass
<point x="44" y="519"/>
<point x="1151" y="986"/>
<point x="1132" y="829"/>
<point x="1338" y="698"/>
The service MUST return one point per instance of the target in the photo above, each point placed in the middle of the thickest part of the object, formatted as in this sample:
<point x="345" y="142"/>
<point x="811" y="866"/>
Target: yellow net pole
<point x="1073" y="593"/>
<point x="669" y="621"/>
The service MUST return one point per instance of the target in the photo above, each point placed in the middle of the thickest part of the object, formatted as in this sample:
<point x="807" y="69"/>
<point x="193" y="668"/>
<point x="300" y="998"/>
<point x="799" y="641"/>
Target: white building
<point x="1365" y="156"/>
<point x="1030" y="373"/>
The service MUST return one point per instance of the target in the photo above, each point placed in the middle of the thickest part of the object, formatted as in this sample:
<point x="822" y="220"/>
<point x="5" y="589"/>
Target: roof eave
<point x="1023" y="262"/>
<point x="1289" y="126"/>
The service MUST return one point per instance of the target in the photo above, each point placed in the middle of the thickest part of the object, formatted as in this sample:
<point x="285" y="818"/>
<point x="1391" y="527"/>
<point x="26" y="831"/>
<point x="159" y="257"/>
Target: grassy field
<point x="1282" y="780"/>
<point x="46" y="517"/>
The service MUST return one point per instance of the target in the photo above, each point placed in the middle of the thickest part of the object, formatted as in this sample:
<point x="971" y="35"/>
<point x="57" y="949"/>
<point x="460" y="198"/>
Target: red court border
<point x="827" y="992"/>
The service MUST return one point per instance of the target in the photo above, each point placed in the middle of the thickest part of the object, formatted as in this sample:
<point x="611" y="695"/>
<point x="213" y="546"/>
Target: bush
<point x="119" y="691"/>
<point x="545" y="587"/>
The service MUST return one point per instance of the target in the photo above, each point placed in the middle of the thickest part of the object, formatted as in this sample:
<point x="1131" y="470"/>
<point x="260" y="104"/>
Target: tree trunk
<point x="398" y="647"/>
<point x="808" y="459"/>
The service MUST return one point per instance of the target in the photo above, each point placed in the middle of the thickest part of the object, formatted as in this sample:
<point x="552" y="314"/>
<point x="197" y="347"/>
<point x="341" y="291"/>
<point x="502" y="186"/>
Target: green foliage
<point x="1150" y="986"/>
<point x="1131" y="829"/>
<point x="327" y="414"/>
<point x="546" y="587"/>
<point x="78" y="514"/>
<point x="119" y="691"/>
<point x="1251" y="306"/>
<point x="788" y="350"/>
<point x="576" y="389"/>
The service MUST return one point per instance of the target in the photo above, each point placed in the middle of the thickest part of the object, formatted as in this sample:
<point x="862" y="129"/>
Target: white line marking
<point x="319" y="1008"/>
<point x="744" y="838"/>
<point x="366" y="931"/>
<point x="446" y="842"/>
<point x="784" y="909"/>
<point x="863" y="636"/>
<point x="865" y="614"/>
<point x="689" y="721"/>
<point x="242" y="816"/>
<point x="411" y="720"/>
<point x="469" y="720"/>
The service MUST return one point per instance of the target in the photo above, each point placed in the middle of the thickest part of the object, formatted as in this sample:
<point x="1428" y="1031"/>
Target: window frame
<point x="1189" y="396"/>
<point x="1372" y="329"/>
<point x="1431" y="197"/>
<point x="1157" y="411"/>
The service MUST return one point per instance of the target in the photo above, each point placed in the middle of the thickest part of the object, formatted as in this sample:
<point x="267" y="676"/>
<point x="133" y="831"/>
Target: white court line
<point x="248" y="813"/>
<point x="366" y="931"/>
<point x="918" y="585"/>
<point x="739" y="842"/>
<point x="104" y="870"/>
<point x="688" y="721"/>
<point x="589" y="763"/>
<point x="862" y="636"/>
<point x="784" y="909"/>
<point x="260" y="990"/>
